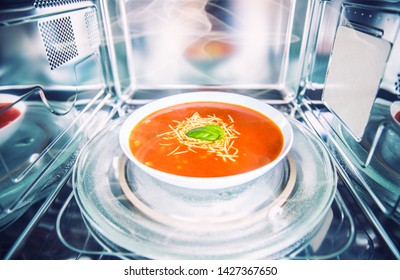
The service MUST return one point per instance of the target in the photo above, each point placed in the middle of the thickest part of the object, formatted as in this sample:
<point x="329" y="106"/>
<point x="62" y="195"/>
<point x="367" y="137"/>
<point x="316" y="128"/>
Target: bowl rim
<point x="206" y="183"/>
<point x="7" y="131"/>
<point x="394" y="109"/>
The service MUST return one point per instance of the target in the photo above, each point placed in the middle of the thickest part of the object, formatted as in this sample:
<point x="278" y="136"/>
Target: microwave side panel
<point x="368" y="163"/>
<point x="54" y="64"/>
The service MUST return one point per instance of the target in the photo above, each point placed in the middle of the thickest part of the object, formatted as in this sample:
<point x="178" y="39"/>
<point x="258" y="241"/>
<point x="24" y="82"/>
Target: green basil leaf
<point x="206" y="133"/>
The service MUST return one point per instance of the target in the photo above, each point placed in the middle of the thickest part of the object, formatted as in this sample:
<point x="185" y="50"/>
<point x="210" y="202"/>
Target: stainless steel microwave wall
<point x="81" y="66"/>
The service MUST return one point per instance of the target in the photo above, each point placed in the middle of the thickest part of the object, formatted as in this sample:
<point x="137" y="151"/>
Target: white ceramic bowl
<point x="8" y="131"/>
<point x="394" y="109"/>
<point x="209" y="182"/>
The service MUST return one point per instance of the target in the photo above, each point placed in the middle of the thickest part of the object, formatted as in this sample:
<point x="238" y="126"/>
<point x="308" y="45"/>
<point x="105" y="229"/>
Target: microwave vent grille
<point x="54" y="3"/>
<point x="397" y="84"/>
<point x="92" y="28"/>
<point x="59" y="41"/>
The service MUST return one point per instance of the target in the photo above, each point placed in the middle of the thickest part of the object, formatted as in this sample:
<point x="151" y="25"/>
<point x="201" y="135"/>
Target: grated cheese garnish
<point x="222" y="148"/>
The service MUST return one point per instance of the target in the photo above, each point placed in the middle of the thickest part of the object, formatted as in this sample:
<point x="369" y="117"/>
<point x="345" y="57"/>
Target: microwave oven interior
<point x="78" y="68"/>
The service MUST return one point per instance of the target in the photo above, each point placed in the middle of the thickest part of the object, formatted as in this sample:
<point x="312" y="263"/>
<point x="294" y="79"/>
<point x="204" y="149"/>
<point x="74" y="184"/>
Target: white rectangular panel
<point x="355" y="71"/>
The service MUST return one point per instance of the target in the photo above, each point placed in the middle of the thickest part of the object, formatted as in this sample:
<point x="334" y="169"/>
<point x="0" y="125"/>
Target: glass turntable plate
<point x="282" y="210"/>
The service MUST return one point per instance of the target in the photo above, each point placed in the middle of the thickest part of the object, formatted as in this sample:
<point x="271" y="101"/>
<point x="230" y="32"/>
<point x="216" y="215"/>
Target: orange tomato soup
<point x="9" y="115"/>
<point x="258" y="141"/>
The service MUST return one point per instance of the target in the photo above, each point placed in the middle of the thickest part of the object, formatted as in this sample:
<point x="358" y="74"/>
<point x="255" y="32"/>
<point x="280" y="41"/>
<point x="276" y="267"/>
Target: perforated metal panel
<point x="59" y="41"/>
<point x="92" y="28"/>
<point x="54" y="3"/>
<point x="70" y="37"/>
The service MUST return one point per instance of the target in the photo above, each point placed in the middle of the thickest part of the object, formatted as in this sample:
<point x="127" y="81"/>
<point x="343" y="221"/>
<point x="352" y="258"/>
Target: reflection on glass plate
<point x="121" y="223"/>
<point x="24" y="157"/>
<point x="11" y="117"/>
<point x="207" y="208"/>
<point x="384" y="168"/>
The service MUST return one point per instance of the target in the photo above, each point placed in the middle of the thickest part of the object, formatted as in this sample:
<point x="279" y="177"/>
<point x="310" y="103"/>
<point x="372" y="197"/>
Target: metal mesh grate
<point x="54" y="3"/>
<point x="92" y="28"/>
<point x="397" y="84"/>
<point x="59" y="41"/>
